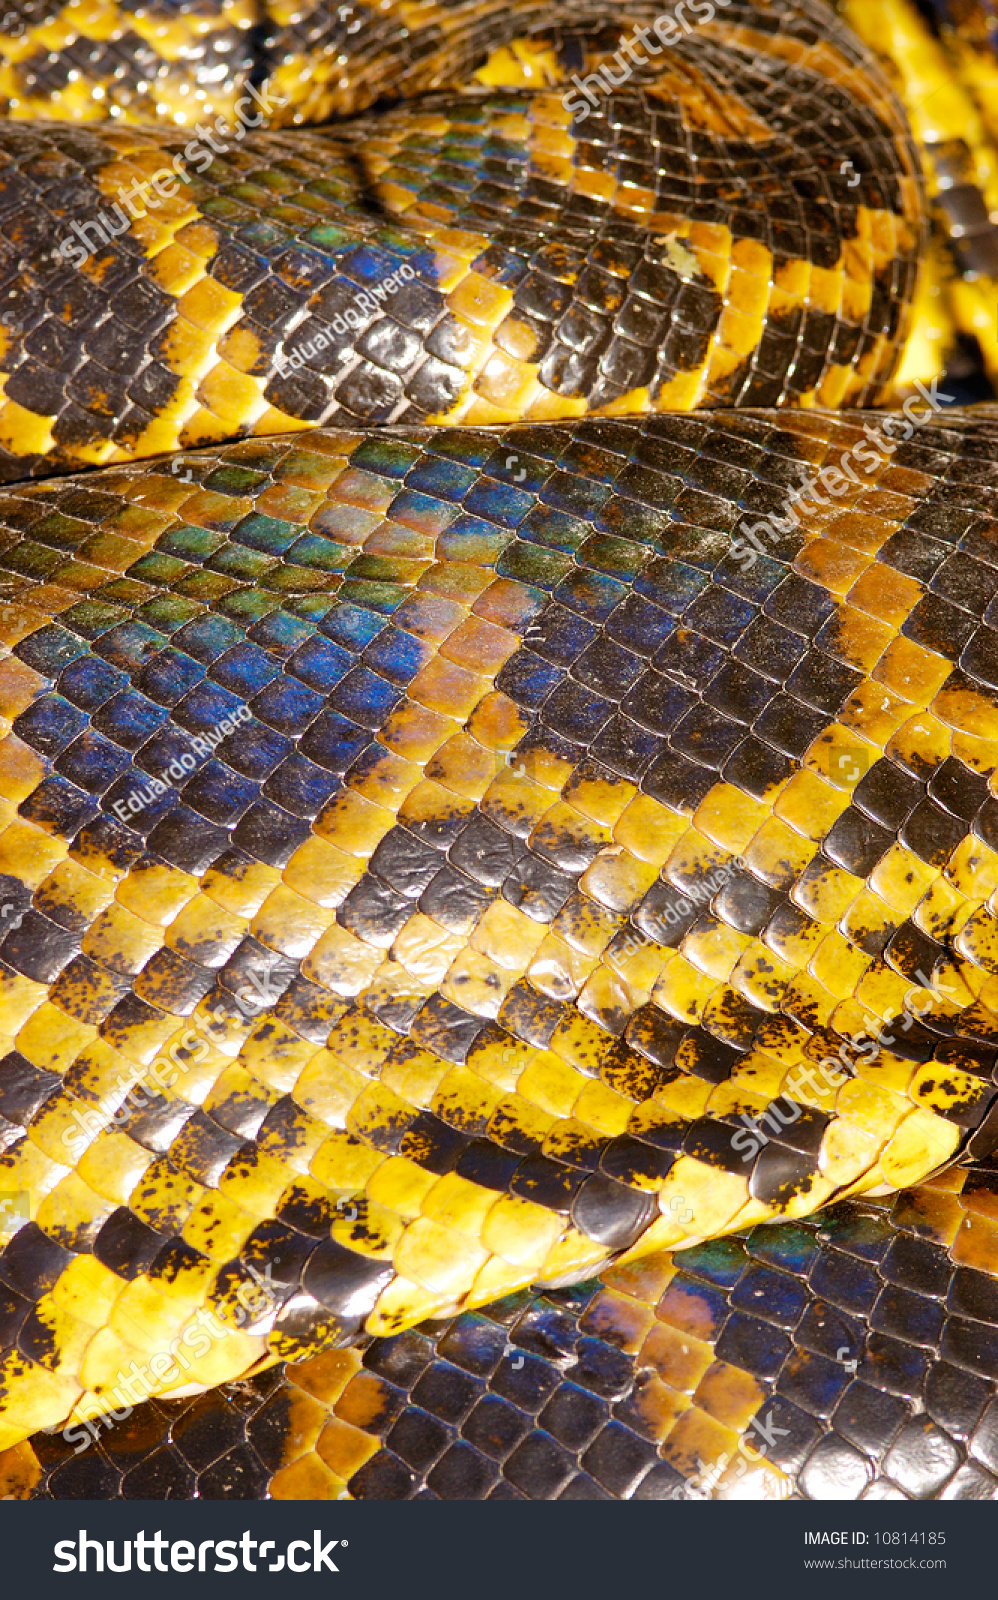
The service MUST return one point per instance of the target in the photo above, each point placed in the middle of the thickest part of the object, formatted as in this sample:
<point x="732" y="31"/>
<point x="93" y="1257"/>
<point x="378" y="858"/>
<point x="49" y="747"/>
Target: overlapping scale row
<point x="145" y="61"/>
<point x="479" y="260"/>
<point x="428" y="857"/>
<point x="131" y="60"/>
<point x="849" y="1356"/>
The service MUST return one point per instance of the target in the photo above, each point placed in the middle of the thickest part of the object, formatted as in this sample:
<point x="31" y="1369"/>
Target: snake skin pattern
<point x="506" y="701"/>
<point x="677" y="250"/>
<point x="495" y="983"/>
<point x="852" y="1355"/>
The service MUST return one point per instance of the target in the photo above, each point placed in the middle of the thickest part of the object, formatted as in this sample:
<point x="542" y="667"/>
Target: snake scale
<point x="498" y="955"/>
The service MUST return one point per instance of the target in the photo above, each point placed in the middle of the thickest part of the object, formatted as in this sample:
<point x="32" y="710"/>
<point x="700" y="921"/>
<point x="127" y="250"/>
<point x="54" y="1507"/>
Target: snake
<point x="498" y="799"/>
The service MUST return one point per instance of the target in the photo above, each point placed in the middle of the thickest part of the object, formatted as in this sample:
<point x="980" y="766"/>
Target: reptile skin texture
<point x="498" y="965"/>
<point x="471" y="779"/>
<point x="856" y="1343"/>
<point x="665" y="253"/>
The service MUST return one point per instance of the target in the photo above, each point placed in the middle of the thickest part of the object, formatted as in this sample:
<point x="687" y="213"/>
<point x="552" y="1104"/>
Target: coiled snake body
<point x="442" y="861"/>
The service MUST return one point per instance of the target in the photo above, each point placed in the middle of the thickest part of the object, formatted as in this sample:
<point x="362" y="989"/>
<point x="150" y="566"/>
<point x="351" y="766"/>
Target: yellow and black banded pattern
<point x="85" y="60"/>
<point x="427" y="851"/>
<point x="147" y="61"/>
<point x="696" y="241"/>
<point x="494" y="707"/>
<point x="851" y="1355"/>
<point x="946" y="81"/>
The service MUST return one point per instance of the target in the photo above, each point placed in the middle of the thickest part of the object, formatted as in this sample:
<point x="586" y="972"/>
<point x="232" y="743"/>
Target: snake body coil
<point x="447" y="853"/>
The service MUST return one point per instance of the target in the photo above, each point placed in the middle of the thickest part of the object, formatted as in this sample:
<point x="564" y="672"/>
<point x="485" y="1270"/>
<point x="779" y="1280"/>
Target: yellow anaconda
<point x="509" y="797"/>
